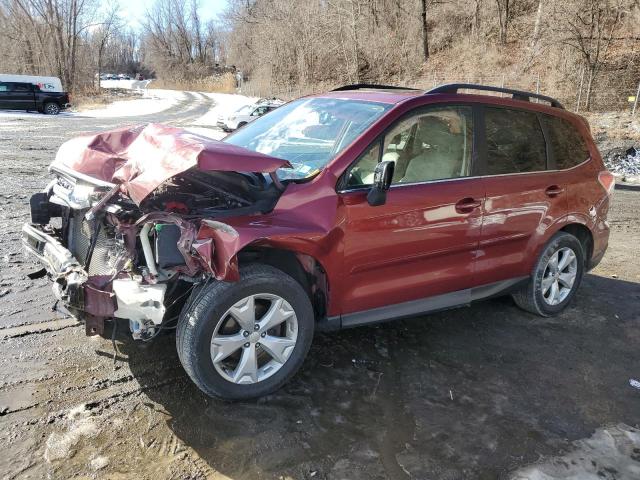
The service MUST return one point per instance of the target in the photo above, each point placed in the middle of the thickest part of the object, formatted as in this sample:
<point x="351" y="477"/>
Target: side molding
<point x="460" y="298"/>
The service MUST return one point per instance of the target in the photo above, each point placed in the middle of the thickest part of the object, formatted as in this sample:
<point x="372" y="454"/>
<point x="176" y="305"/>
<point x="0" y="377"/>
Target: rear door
<point x="523" y="195"/>
<point x="422" y="242"/>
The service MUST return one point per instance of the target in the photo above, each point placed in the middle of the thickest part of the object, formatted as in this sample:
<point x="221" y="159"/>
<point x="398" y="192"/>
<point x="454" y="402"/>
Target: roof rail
<point x="372" y="86"/>
<point x="515" y="94"/>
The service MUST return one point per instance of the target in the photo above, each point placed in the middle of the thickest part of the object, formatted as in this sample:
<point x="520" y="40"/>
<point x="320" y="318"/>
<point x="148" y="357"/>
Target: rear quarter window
<point x="515" y="142"/>
<point x="569" y="147"/>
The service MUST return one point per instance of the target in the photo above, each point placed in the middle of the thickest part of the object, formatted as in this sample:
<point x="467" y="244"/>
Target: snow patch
<point x="23" y="113"/>
<point x="98" y="463"/>
<point x="612" y="452"/>
<point x="153" y="101"/>
<point x="224" y="105"/>
<point x="624" y="164"/>
<point x="126" y="84"/>
<point x="80" y="424"/>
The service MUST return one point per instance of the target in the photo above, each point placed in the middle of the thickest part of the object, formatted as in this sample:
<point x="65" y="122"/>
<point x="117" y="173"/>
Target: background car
<point x="247" y="114"/>
<point x="29" y="96"/>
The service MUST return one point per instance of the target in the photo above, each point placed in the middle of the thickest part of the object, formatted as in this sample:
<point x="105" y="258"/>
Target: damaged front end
<point x="118" y="229"/>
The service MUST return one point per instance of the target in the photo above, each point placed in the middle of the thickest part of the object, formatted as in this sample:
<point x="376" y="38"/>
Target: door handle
<point x="467" y="205"/>
<point x="553" y="191"/>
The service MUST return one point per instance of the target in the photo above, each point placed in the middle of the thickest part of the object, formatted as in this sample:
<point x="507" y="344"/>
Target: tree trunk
<point x="354" y="29"/>
<point x="592" y="75"/>
<point x="536" y="28"/>
<point x="425" y="32"/>
<point x="475" y="27"/>
<point x="503" y="19"/>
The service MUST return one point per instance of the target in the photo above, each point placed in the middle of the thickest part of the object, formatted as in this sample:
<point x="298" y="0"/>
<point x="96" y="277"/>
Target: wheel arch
<point x="304" y="268"/>
<point x="574" y="225"/>
<point x="584" y="235"/>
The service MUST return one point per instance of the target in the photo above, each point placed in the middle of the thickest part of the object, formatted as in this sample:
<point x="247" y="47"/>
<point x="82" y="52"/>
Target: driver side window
<point x="432" y="144"/>
<point x="258" y="112"/>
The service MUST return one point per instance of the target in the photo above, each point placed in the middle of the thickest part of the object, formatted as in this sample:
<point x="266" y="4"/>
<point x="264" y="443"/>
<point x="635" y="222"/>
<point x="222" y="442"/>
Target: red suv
<point x="351" y="207"/>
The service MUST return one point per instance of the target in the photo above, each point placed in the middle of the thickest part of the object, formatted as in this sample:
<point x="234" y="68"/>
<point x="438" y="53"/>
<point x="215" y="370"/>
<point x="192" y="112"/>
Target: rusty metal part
<point x="93" y="325"/>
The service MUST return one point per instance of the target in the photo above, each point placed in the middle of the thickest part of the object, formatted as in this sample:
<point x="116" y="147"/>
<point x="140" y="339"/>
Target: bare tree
<point x="177" y="42"/>
<point x="104" y="33"/>
<point x="590" y="30"/>
<point x="537" y="28"/>
<point x="425" y="31"/>
<point x="56" y="37"/>
<point x="475" y="24"/>
<point x="503" y="19"/>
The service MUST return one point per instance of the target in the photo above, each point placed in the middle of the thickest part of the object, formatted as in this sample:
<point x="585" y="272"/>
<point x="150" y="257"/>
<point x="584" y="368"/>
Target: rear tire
<point x="555" y="277"/>
<point x="51" y="108"/>
<point x="214" y="322"/>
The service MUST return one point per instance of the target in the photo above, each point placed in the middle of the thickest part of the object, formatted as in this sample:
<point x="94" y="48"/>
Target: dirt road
<point x="474" y="393"/>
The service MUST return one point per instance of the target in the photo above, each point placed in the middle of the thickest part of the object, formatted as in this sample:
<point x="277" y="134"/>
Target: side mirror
<point x="382" y="176"/>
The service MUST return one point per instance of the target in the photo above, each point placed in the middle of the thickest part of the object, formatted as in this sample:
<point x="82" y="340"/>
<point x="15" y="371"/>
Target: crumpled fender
<point x="187" y="235"/>
<point x="298" y="223"/>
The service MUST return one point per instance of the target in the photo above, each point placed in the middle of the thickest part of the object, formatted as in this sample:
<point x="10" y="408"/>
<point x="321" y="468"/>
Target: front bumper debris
<point x="86" y="298"/>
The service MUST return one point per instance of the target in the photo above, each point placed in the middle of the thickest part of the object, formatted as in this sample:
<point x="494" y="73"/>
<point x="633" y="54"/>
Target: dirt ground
<point x="477" y="393"/>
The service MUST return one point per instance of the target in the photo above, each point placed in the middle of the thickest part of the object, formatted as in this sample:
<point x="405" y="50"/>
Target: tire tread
<point x="526" y="297"/>
<point x="206" y="297"/>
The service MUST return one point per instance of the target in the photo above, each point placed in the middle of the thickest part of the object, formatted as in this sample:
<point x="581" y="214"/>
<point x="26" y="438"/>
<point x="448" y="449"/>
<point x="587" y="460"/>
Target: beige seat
<point x="439" y="152"/>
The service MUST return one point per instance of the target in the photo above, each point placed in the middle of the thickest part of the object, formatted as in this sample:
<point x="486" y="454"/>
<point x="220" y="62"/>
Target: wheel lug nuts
<point x="246" y="345"/>
<point x="245" y="333"/>
<point x="264" y="334"/>
<point x="257" y="344"/>
<point x="256" y="327"/>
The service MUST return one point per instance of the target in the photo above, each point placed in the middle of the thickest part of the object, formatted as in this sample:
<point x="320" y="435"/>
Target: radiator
<point x="106" y="251"/>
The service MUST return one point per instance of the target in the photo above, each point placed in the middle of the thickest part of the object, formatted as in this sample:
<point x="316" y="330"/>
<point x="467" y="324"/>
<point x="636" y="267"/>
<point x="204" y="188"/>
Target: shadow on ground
<point x="469" y="393"/>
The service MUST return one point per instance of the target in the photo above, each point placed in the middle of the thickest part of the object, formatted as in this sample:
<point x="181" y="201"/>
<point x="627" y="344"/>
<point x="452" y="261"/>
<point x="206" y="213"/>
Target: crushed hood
<point x="142" y="157"/>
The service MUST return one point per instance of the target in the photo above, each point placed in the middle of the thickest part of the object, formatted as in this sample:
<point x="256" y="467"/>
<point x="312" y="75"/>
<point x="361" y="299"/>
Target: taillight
<point x="607" y="180"/>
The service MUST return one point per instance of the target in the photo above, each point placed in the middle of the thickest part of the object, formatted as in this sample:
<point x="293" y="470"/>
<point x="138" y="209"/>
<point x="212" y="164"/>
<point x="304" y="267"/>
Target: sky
<point x="133" y="11"/>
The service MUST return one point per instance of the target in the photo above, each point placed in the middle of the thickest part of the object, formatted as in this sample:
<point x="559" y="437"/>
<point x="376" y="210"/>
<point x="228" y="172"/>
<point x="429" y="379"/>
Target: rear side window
<point x="4" y="87"/>
<point x="515" y="142"/>
<point x="569" y="148"/>
<point x="21" y="87"/>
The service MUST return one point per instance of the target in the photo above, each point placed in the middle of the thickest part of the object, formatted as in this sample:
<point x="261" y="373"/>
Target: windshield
<point x="308" y="132"/>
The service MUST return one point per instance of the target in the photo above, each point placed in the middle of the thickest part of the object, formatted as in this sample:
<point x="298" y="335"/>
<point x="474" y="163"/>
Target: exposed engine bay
<point x="109" y="257"/>
<point x="135" y="218"/>
<point x="209" y="194"/>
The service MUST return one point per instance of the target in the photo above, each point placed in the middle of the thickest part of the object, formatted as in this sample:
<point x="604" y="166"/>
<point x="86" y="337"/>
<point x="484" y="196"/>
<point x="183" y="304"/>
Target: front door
<point x="423" y="241"/>
<point x="4" y="95"/>
<point x="20" y="96"/>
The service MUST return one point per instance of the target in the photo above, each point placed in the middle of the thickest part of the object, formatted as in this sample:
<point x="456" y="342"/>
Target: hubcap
<point x="52" y="108"/>
<point x="559" y="276"/>
<point x="254" y="338"/>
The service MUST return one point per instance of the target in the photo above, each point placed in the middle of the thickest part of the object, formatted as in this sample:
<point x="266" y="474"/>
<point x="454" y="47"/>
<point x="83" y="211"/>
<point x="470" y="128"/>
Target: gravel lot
<point x="474" y="393"/>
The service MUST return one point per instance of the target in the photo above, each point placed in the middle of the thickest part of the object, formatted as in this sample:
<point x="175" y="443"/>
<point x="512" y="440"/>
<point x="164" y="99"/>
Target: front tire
<point x="555" y="278"/>
<point x="51" y="108"/>
<point x="245" y="339"/>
